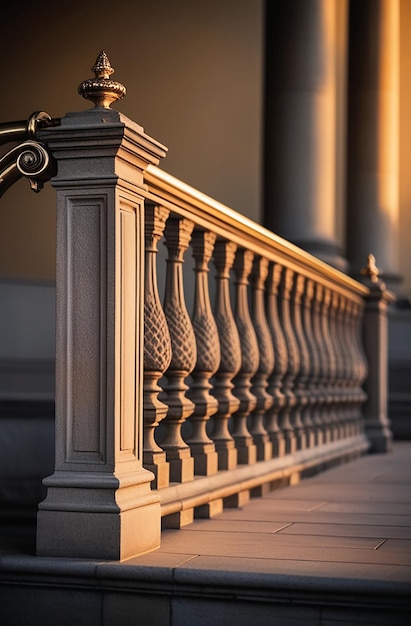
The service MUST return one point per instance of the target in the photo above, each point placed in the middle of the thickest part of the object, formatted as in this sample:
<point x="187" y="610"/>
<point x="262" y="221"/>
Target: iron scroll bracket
<point x="30" y="158"/>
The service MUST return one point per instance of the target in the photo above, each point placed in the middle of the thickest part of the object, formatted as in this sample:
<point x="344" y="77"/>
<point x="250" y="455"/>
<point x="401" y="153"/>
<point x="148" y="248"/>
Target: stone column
<point x="303" y="132"/>
<point x="373" y="132"/>
<point x="99" y="504"/>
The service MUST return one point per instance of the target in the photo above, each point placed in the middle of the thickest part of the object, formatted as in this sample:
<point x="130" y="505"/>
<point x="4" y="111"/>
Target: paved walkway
<point x="333" y="550"/>
<point x="352" y="522"/>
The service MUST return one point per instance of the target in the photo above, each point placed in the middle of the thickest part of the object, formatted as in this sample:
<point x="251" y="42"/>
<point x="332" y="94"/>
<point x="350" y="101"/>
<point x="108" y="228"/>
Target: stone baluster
<point x="280" y="363"/>
<point x="331" y="363"/>
<point x="180" y="407"/>
<point x="157" y="348"/>
<point x="292" y="430"/>
<point x="246" y="448"/>
<point x="323" y="392"/>
<point x="314" y="392"/>
<point x="360" y="369"/>
<point x="343" y="323"/>
<point x="339" y="364"/>
<point x="266" y="362"/>
<point x="208" y="359"/>
<point x="351" y="365"/>
<point x="230" y="361"/>
<point x="301" y="382"/>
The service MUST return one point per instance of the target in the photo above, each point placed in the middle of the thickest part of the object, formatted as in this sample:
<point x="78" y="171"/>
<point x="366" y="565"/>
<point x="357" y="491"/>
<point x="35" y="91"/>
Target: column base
<point x="98" y="516"/>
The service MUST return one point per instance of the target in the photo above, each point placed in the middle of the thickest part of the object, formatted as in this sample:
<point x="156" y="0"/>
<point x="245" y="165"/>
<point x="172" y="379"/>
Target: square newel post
<point x="375" y="337"/>
<point x="99" y="502"/>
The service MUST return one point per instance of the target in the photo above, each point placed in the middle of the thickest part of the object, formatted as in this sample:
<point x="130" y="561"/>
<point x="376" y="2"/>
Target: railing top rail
<point x="189" y="202"/>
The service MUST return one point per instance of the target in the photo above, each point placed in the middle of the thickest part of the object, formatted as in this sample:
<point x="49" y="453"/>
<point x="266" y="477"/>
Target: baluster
<point x="280" y="363"/>
<point x="346" y="359"/>
<point x="339" y="364"/>
<point x="208" y="359"/>
<point x="331" y="364"/>
<point x="266" y="362"/>
<point x="291" y="430"/>
<point x="349" y="328"/>
<point x="183" y="345"/>
<point x="314" y="364"/>
<point x="323" y="393"/>
<point x="246" y="449"/>
<point x="301" y="382"/>
<point x="157" y="348"/>
<point x="360" y="368"/>
<point x="230" y="361"/>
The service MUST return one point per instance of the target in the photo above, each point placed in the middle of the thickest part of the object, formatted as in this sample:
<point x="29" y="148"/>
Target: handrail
<point x="174" y="193"/>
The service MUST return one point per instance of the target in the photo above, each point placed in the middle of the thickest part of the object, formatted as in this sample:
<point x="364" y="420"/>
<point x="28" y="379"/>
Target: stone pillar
<point x="303" y="123"/>
<point x="373" y="132"/>
<point x="375" y="338"/>
<point x="99" y="503"/>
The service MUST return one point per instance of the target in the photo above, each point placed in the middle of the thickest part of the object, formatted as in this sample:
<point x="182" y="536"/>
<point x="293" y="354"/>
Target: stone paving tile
<point x="397" y="545"/>
<point x="344" y="492"/>
<point x="264" y="511"/>
<point x="347" y="530"/>
<point x="272" y="546"/>
<point x="329" y="571"/>
<point x="375" y="508"/>
<point x="222" y="525"/>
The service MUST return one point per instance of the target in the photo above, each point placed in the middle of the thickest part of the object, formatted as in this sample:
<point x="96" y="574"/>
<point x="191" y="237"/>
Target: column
<point x="304" y="123"/>
<point x="99" y="504"/>
<point x="373" y="137"/>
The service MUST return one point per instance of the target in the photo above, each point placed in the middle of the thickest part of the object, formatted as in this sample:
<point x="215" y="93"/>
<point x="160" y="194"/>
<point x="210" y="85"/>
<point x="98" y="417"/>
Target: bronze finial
<point x="102" y="90"/>
<point x="371" y="270"/>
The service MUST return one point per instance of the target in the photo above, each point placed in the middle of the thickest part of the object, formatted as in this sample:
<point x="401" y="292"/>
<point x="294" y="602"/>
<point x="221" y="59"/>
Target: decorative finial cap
<point x="371" y="270"/>
<point x="102" y="90"/>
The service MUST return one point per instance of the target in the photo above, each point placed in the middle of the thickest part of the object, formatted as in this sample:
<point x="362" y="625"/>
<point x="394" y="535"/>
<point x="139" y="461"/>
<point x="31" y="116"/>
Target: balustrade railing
<point x="169" y="410"/>
<point x="279" y="367"/>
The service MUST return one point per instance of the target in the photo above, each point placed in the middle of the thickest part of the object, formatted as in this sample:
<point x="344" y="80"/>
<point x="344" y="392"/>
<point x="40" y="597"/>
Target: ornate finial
<point x="102" y="90"/>
<point x="371" y="270"/>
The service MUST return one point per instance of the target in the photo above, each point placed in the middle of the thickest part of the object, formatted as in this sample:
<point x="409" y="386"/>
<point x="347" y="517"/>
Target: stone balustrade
<point x="200" y="359"/>
<point x="275" y="383"/>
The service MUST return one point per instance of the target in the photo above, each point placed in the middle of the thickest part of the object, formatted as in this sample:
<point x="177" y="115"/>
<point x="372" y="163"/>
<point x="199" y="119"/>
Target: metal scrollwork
<point x="31" y="158"/>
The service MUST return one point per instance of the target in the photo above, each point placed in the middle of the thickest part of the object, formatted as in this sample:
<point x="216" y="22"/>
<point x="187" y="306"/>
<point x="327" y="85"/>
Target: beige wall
<point x="193" y="72"/>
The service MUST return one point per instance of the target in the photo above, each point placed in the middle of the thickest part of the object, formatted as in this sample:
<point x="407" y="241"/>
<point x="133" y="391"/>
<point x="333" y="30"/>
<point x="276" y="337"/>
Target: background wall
<point x="193" y="72"/>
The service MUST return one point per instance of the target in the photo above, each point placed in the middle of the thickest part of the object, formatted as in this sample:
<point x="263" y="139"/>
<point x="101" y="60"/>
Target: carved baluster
<point x="345" y="363"/>
<point x="246" y="449"/>
<point x="266" y="362"/>
<point x="323" y="392"/>
<point x="230" y="362"/>
<point x="292" y="431"/>
<point x="360" y="368"/>
<point x="301" y="382"/>
<point x="352" y="391"/>
<point x="157" y="348"/>
<point x="331" y="363"/>
<point x="208" y="359"/>
<point x="314" y="364"/>
<point x="275" y="382"/>
<point x="177" y="239"/>
<point x="339" y="364"/>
